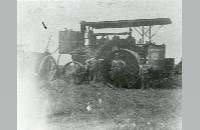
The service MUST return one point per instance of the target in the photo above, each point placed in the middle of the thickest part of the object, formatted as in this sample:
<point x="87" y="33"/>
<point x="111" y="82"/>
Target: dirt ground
<point x="60" y="106"/>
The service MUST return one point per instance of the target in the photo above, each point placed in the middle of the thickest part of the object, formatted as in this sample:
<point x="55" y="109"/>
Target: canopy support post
<point x="137" y="31"/>
<point x="143" y="33"/>
<point x="130" y="32"/>
<point x="149" y="33"/>
<point x="156" y="31"/>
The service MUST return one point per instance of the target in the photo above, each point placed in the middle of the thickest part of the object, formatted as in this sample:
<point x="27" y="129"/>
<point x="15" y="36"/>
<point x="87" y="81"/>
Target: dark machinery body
<point x="74" y="43"/>
<point x="86" y="43"/>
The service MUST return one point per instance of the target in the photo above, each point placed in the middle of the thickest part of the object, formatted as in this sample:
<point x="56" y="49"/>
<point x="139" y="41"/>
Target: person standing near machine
<point x="144" y="74"/>
<point x="92" y="68"/>
<point x="117" y="68"/>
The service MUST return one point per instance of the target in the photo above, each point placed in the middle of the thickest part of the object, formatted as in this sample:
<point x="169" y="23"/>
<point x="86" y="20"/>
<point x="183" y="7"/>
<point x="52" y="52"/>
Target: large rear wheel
<point x="129" y="75"/>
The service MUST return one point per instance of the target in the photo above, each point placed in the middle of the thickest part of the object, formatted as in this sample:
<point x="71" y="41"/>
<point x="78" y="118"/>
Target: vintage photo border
<point x="191" y="65"/>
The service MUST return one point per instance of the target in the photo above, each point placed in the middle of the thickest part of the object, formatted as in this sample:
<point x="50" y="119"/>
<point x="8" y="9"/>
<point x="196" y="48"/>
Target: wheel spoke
<point x="47" y="68"/>
<point x="74" y="73"/>
<point x="51" y="70"/>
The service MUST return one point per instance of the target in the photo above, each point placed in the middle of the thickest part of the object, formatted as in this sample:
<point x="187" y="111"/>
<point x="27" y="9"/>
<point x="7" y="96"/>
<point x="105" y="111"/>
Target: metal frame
<point x="144" y="32"/>
<point x="138" y="23"/>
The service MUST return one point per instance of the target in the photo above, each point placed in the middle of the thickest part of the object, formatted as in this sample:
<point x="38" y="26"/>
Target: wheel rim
<point x="48" y="68"/>
<point x="51" y="70"/>
<point x="130" y="72"/>
<point x="74" y="72"/>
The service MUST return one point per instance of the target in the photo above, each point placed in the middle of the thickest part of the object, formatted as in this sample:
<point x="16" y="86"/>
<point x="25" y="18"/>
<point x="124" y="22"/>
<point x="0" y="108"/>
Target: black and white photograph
<point x="99" y="64"/>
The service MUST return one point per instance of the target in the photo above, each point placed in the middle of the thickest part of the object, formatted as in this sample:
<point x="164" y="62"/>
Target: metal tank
<point x="156" y="56"/>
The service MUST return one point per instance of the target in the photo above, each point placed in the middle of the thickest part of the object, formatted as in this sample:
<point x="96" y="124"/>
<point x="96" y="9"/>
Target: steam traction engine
<point x="84" y="44"/>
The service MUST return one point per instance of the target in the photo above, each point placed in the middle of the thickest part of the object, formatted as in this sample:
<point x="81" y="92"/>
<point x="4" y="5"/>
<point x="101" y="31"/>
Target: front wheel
<point x="74" y="72"/>
<point x="48" y="68"/>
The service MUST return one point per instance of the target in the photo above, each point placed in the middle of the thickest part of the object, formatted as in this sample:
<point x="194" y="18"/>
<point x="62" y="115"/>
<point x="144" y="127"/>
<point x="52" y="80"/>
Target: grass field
<point x="110" y="108"/>
<point x="62" y="106"/>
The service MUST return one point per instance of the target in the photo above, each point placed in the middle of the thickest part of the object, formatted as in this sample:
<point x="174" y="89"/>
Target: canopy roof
<point x="127" y="23"/>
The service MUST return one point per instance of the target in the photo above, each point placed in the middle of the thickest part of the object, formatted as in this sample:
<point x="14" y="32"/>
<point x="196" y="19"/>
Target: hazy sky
<point x="58" y="15"/>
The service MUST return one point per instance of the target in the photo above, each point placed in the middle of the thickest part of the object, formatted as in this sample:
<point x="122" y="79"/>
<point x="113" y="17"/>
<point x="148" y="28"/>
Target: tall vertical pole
<point x="149" y="33"/>
<point x="142" y="34"/>
<point x="130" y="31"/>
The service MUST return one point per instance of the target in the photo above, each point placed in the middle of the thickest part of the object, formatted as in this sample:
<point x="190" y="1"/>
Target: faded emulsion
<point x="122" y="71"/>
